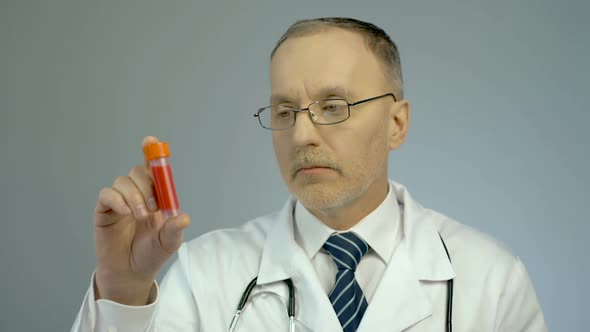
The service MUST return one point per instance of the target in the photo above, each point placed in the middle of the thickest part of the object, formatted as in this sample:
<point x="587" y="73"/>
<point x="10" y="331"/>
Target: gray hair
<point x="376" y="40"/>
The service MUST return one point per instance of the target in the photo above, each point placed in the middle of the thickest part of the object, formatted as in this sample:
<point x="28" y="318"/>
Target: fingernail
<point x="152" y="204"/>
<point x="141" y="211"/>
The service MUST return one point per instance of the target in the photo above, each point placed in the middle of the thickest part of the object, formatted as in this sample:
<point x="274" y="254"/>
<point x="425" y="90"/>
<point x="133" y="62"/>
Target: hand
<point x="132" y="241"/>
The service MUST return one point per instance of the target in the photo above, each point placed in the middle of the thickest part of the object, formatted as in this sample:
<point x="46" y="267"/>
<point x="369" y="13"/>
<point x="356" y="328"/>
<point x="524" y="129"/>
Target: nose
<point x="305" y="131"/>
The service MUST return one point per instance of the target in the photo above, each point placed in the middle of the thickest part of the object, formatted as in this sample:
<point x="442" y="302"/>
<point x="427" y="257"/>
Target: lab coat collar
<point x="419" y="257"/>
<point x="420" y="236"/>
<point x="280" y="247"/>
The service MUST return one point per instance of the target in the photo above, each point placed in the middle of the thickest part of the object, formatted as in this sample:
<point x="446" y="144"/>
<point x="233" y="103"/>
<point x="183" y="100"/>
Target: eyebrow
<point x="321" y="93"/>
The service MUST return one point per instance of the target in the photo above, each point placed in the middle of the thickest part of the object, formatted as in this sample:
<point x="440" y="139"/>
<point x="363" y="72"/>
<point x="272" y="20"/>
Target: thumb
<point x="147" y="141"/>
<point x="171" y="233"/>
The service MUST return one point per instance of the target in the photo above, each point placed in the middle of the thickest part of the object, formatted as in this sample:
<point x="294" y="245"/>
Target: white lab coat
<point x="492" y="290"/>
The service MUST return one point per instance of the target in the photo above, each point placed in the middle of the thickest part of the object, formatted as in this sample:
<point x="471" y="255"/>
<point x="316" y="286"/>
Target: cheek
<point x="281" y="150"/>
<point x="363" y="150"/>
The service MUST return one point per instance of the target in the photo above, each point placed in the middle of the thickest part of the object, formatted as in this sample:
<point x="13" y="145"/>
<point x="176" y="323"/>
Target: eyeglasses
<point x="322" y="112"/>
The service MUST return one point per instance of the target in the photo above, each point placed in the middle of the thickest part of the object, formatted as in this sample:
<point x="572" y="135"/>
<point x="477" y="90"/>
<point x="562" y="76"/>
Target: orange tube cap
<point x="156" y="150"/>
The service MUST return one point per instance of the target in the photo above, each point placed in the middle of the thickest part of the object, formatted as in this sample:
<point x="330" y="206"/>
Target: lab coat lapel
<point x="400" y="300"/>
<point x="279" y="249"/>
<point x="282" y="258"/>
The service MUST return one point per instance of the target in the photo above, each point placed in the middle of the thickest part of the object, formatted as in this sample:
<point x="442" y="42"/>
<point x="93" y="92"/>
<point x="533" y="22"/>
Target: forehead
<point x="334" y="60"/>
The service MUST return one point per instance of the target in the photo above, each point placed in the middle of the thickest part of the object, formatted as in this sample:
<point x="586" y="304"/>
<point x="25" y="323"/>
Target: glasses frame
<point x="297" y="110"/>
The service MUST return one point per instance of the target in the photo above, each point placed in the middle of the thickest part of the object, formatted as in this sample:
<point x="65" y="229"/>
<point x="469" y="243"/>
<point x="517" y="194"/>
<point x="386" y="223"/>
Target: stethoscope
<point x="291" y="304"/>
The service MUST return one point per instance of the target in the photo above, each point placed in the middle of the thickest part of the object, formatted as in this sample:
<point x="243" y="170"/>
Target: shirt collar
<point x="380" y="228"/>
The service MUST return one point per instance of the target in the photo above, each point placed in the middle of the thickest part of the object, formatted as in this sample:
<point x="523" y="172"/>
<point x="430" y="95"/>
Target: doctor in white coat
<point x="337" y="109"/>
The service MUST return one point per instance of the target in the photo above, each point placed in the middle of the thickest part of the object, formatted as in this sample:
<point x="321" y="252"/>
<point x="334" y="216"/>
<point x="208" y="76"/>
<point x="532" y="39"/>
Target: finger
<point x="147" y="141"/>
<point x="110" y="200"/>
<point x="132" y="196"/>
<point x="171" y="233"/>
<point x="143" y="180"/>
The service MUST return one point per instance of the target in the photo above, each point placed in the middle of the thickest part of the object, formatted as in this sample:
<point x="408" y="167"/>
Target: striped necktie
<point x="347" y="297"/>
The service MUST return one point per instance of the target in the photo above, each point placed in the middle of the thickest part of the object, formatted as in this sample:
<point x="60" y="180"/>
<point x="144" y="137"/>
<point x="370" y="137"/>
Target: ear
<point x="400" y="121"/>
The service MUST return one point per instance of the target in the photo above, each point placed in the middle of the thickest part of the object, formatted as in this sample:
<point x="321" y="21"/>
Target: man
<point x="361" y="254"/>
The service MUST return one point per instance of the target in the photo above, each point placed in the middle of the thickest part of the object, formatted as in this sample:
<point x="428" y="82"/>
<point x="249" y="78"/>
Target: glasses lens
<point x="277" y="117"/>
<point x="329" y="111"/>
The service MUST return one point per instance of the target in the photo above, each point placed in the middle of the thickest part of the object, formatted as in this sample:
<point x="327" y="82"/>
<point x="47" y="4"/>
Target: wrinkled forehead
<point x="335" y="62"/>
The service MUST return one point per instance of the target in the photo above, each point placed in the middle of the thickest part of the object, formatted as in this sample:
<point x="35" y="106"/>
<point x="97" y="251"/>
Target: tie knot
<point x="346" y="249"/>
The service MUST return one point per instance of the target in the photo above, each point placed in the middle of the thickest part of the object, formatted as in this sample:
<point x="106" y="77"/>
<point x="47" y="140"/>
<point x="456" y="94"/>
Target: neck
<point x="344" y="217"/>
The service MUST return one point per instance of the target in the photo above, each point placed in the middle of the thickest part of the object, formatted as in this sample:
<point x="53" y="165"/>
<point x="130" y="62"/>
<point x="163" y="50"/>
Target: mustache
<point x="308" y="159"/>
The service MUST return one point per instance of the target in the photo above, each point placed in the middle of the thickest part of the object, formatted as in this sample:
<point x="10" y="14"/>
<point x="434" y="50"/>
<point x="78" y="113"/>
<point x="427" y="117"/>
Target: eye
<point x="330" y="107"/>
<point x="284" y="114"/>
<point x="333" y="106"/>
<point x="282" y="111"/>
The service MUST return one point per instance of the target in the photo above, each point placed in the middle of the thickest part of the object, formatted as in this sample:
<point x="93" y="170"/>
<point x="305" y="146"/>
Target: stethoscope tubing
<point x="246" y="295"/>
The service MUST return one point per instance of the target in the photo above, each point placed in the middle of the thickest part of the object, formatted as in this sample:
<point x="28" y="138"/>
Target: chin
<point x="322" y="196"/>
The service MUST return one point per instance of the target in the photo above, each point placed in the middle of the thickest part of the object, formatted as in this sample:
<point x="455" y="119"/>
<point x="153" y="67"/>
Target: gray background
<point x="498" y="137"/>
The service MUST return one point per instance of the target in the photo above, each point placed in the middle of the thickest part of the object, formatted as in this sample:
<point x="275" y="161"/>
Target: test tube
<point x="158" y="157"/>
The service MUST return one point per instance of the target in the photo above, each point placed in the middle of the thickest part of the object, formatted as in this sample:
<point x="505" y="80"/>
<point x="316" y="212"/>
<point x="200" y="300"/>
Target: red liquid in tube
<point x="158" y="156"/>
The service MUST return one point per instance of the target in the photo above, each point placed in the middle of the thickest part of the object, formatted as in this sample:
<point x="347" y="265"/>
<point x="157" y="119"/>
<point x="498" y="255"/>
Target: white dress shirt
<point x="380" y="229"/>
